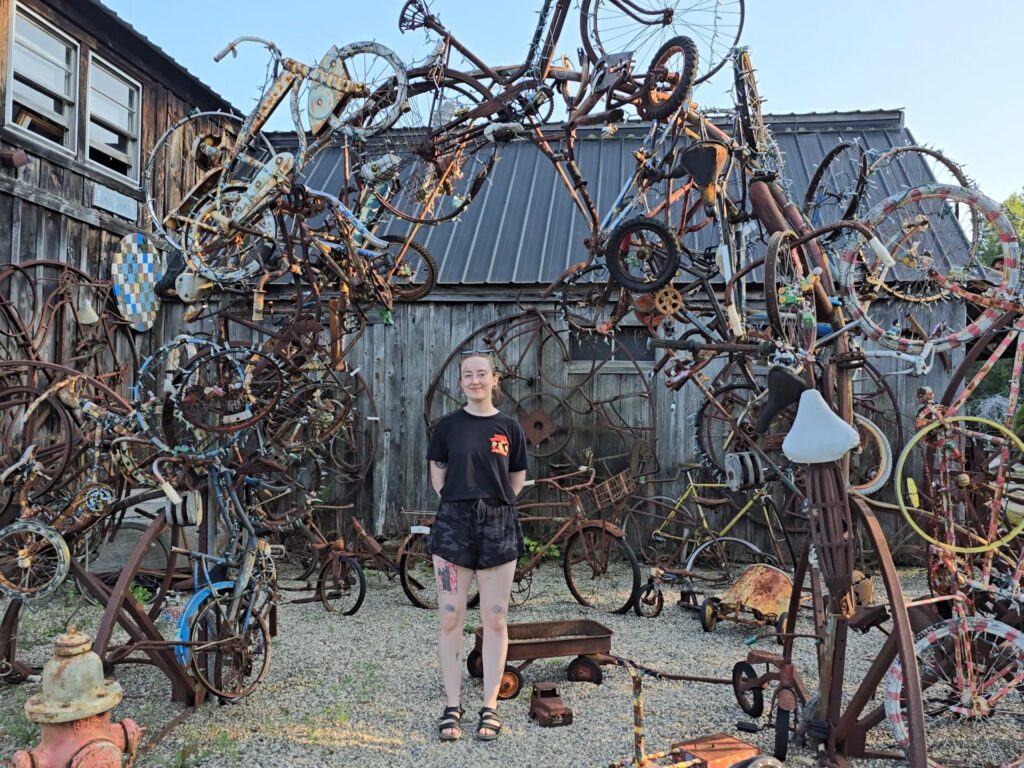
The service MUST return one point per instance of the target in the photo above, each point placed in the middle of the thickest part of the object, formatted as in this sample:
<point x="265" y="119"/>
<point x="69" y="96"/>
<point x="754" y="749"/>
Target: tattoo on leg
<point x="447" y="578"/>
<point x="497" y="610"/>
<point x="449" y="608"/>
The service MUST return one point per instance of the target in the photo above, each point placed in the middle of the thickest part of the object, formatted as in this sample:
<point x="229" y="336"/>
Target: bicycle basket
<point x="612" y="490"/>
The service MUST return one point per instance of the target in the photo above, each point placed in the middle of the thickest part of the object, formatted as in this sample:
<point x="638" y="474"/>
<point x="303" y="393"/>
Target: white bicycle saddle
<point x="818" y="435"/>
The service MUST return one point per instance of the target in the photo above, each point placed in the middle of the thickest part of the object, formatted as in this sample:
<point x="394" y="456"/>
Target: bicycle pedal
<point x="278" y="550"/>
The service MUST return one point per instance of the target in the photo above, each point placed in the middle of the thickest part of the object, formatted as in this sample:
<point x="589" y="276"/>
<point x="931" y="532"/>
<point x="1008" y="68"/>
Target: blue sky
<point x="954" y="67"/>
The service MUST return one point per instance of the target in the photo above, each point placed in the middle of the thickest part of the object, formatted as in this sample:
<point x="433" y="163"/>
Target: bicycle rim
<point x="601" y="570"/>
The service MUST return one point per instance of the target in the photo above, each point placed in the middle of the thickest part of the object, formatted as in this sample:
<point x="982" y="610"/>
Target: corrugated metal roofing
<point x="523" y="228"/>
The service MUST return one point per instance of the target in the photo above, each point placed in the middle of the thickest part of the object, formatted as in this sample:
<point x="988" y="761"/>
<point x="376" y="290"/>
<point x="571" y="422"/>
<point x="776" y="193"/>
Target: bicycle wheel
<point x="34" y="560"/>
<point x="972" y="673"/>
<point x="341" y="585"/>
<point x="377" y="108"/>
<point x="875" y="399"/>
<point x="601" y="570"/>
<point x="720" y="560"/>
<point x="642" y="255"/>
<point x="716" y="435"/>
<point x="669" y="79"/>
<point x="902" y="167"/>
<point x="921" y="229"/>
<point x="227" y="256"/>
<point x="229" y="390"/>
<point x="656" y="530"/>
<point x="643" y="26"/>
<point x="752" y="129"/>
<point x="415" y="275"/>
<point x="835" y="189"/>
<point x="230" y="657"/>
<point x="591" y="302"/>
<point x="790" y="309"/>
<point x="31" y="417"/>
<point x="187" y="163"/>
<point x="962" y="468"/>
<point x="871" y="461"/>
<point x="432" y="164"/>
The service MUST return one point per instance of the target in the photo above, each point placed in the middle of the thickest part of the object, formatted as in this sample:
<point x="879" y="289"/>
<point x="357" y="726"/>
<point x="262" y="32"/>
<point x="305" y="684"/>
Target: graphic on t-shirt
<point x="499" y="444"/>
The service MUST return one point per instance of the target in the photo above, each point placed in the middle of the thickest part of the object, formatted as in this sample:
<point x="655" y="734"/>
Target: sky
<point x="954" y="70"/>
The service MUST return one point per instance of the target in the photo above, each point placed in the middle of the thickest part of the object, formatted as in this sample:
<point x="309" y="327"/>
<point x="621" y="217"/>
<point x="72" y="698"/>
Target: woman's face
<point x="477" y="379"/>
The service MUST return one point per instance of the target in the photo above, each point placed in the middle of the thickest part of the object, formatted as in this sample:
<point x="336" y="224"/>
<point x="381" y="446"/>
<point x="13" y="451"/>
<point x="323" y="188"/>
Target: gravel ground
<point x="366" y="689"/>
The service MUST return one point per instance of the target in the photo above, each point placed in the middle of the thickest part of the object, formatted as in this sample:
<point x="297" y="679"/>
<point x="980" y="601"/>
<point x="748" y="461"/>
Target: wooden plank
<point x="39" y="197"/>
<point x="7" y="241"/>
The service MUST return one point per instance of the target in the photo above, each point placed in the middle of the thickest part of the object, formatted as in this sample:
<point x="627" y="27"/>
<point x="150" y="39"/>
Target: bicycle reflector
<point x="915" y="499"/>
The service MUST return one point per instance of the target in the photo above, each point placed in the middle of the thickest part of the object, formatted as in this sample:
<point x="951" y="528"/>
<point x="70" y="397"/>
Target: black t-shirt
<point x="479" y="452"/>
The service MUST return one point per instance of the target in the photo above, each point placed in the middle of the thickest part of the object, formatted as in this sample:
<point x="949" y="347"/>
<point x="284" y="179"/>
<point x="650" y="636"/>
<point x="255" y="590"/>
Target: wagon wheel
<point x="553" y="376"/>
<point x="584" y="670"/>
<point x="708" y="615"/>
<point x="511" y="683"/>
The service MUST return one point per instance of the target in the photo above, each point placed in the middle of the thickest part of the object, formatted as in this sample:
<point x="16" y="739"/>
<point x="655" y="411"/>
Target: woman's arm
<point x="517" y="479"/>
<point x="438" y="472"/>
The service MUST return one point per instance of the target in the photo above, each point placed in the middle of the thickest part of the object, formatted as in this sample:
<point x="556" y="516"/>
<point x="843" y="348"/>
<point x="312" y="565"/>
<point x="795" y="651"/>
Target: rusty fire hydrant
<point x="74" y="712"/>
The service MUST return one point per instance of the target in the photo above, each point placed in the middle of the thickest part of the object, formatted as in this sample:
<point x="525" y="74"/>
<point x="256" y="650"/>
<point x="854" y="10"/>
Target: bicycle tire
<point x="835" y="189"/>
<point x="341" y="585"/>
<point x="868" y="479"/>
<point x="239" y="660"/>
<point x="410" y="287"/>
<point x="665" y="90"/>
<point x="607" y="27"/>
<point x="718" y="561"/>
<point x="601" y="570"/>
<point x="430" y="157"/>
<point x="418" y="582"/>
<point x="591" y="308"/>
<point x="783" y="273"/>
<point x="176" y="162"/>
<point x="996" y="650"/>
<point x="657" y="261"/>
<point x="917" y="221"/>
<point x="34" y="561"/>
<point x="935" y="164"/>
<point x="752" y="129"/>
<point x="782" y="719"/>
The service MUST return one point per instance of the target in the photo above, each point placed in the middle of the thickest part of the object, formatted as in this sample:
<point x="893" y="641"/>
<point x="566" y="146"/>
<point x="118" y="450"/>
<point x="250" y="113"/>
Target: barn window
<point x="44" y="81"/>
<point x="113" y="132"/>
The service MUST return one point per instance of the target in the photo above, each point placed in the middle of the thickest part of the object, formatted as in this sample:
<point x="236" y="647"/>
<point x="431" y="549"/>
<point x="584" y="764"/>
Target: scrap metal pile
<point x="791" y="316"/>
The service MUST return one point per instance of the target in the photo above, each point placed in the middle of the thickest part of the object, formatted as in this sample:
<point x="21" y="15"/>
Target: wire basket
<point x="614" y="489"/>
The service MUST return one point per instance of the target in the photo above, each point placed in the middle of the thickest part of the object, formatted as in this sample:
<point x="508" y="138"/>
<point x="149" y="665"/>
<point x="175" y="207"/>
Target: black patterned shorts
<point x="476" y="534"/>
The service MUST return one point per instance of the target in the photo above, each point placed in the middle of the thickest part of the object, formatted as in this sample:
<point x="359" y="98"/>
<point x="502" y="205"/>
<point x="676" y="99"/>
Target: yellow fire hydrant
<point x="73" y="711"/>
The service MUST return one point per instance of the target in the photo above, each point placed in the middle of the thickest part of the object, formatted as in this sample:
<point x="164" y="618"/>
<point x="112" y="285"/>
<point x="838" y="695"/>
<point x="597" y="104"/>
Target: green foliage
<point x="990" y="246"/>
<point x="533" y="546"/>
<point x="141" y="593"/>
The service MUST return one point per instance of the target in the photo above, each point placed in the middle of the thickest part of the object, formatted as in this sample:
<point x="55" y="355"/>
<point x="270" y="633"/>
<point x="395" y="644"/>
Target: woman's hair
<point x="496" y="394"/>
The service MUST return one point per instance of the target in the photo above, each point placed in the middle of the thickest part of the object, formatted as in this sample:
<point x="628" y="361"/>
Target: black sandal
<point x="451" y="720"/>
<point x="488" y="719"/>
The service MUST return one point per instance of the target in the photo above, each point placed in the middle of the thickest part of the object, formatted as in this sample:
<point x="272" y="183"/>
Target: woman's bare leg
<point x="495" y="585"/>
<point x="452" y="589"/>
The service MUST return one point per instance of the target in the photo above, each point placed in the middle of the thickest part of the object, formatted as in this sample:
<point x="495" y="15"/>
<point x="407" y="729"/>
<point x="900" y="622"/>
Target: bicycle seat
<point x="818" y="434"/>
<point x="784" y="389"/>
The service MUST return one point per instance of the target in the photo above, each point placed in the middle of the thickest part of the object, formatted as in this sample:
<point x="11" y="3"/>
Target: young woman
<point x="477" y="460"/>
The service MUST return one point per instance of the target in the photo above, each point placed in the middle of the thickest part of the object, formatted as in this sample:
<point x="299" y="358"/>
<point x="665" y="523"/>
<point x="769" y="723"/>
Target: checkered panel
<point x="136" y="267"/>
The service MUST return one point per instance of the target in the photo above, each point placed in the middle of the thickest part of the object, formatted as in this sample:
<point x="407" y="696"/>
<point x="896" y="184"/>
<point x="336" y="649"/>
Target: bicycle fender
<point x="613" y="529"/>
<point x="182" y="652"/>
<point x="415" y="531"/>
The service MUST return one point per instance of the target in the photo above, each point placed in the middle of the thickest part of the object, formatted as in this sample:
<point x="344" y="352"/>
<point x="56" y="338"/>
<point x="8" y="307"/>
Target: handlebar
<point x="554" y="481"/>
<point x="232" y="47"/>
<point x="165" y="486"/>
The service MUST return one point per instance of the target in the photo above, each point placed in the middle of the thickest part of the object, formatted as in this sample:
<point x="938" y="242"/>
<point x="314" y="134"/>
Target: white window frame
<point x="136" y="179"/>
<point x="72" y="147"/>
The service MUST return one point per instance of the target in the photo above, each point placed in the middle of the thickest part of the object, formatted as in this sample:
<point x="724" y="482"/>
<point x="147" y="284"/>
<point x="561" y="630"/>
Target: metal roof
<point x="522" y="229"/>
